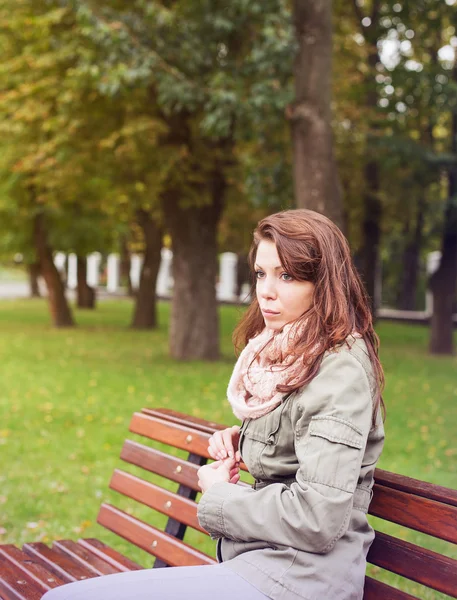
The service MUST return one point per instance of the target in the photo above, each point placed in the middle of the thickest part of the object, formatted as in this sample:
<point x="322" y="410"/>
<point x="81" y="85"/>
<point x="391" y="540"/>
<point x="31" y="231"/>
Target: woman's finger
<point x="212" y="448"/>
<point x="223" y="443"/>
<point x="217" y="445"/>
<point x="228" y="442"/>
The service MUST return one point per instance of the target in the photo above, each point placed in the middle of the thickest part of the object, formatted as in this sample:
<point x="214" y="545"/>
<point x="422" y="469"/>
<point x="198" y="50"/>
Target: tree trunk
<point x="125" y="265"/>
<point x="411" y="262"/>
<point x="316" y="180"/>
<point x="85" y="293"/>
<point x="372" y="206"/>
<point x="145" y="315"/>
<point x="443" y="282"/>
<point x="371" y="231"/>
<point x="58" y="305"/>
<point x="34" y="273"/>
<point x="194" y="330"/>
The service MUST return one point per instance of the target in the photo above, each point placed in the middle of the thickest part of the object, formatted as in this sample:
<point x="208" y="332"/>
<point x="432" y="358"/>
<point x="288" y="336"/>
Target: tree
<point x="443" y="283"/>
<point x="22" y="121"/>
<point x="315" y="171"/>
<point x="145" y="312"/>
<point x="210" y="97"/>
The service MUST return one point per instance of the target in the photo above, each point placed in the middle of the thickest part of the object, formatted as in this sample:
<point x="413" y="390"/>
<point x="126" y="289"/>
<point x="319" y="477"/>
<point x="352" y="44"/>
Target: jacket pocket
<point x="258" y="442"/>
<point x="264" y="429"/>
<point x="335" y="429"/>
<point x="333" y="452"/>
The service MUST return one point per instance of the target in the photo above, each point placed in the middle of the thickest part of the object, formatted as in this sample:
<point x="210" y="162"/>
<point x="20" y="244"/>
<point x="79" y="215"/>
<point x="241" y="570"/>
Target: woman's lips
<point x="269" y="312"/>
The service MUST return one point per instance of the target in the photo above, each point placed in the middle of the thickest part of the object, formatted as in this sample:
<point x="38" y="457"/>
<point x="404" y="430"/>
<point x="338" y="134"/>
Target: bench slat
<point x="111" y="556"/>
<point x="63" y="566"/>
<point x="155" y="461"/>
<point x="165" y="547"/>
<point x="173" y="434"/>
<point x="164" y="501"/>
<point x="23" y="563"/>
<point x="16" y="585"/>
<point x="183" y="419"/>
<point x="84" y="557"/>
<point x="417" y="487"/>
<point x="415" y="512"/>
<point x="377" y="590"/>
<point x="413" y="562"/>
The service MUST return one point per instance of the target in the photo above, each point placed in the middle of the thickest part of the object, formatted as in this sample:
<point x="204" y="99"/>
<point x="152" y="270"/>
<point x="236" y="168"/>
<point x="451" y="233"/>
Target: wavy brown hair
<point x="312" y="248"/>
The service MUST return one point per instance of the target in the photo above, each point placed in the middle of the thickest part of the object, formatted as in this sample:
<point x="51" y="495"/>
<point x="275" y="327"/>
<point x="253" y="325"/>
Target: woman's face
<point x="281" y="298"/>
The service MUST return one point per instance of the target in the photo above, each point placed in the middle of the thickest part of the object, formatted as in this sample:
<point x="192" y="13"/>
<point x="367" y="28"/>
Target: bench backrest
<point x="425" y="507"/>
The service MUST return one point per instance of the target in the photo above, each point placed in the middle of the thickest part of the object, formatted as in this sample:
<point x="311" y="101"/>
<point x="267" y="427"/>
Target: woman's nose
<point x="268" y="289"/>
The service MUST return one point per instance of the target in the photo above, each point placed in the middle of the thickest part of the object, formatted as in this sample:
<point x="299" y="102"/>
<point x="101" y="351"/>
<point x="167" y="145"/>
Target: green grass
<point x="67" y="397"/>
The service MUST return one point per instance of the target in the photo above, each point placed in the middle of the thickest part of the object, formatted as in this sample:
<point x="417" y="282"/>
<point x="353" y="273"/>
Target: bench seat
<point x="28" y="573"/>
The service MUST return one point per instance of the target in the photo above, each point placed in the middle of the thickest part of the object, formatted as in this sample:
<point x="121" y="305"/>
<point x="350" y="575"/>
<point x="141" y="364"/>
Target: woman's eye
<point x="259" y="274"/>
<point x="286" y="277"/>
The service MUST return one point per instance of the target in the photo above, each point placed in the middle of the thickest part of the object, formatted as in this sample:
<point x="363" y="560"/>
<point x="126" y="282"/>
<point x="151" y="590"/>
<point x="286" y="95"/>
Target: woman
<point x="307" y="387"/>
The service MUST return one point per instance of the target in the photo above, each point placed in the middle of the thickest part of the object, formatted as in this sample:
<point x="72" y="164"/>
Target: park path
<point x="14" y="289"/>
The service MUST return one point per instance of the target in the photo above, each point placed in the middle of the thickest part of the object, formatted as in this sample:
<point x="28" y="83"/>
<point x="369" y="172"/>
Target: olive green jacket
<point x="301" y="530"/>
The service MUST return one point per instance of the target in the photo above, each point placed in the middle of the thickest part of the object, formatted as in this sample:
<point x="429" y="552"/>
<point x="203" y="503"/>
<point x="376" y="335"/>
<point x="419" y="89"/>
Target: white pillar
<point x="164" y="278"/>
<point x="433" y="263"/>
<point x="113" y="268"/>
<point x="136" y="262"/>
<point x="93" y="269"/>
<point x="72" y="277"/>
<point x="227" y="279"/>
<point x="59" y="261"/>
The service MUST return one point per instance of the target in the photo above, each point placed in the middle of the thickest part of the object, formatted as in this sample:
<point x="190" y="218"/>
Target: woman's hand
<point x="224" y="444"/>
<point x="217" y="472"/>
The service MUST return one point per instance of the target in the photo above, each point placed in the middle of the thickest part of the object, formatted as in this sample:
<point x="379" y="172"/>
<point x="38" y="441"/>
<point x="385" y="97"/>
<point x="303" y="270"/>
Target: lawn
<point x="67" y="397"/>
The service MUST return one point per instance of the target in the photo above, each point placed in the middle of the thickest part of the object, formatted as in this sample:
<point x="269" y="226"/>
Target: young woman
<point x="307" y="388"/>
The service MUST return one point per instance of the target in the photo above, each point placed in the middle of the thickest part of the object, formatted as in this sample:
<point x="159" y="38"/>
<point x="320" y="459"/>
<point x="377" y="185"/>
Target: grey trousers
<point x="203" y="583"/>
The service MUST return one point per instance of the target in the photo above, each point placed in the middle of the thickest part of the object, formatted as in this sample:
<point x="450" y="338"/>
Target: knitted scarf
<point x="252" y="387"/>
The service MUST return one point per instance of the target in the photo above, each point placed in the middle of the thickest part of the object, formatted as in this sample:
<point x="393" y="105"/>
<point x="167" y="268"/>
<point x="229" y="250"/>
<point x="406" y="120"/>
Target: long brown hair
<point x="312" y="248"/>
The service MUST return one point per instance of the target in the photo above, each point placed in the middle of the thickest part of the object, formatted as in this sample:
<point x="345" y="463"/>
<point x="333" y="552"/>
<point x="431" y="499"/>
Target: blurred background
<point x="140" y="143"/>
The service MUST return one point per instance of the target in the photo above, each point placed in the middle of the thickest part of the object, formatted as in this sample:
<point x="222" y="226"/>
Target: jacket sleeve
<point x="333" y="419"/>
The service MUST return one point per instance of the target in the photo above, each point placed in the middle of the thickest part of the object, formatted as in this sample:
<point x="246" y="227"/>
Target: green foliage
<point x="106" y="106"/>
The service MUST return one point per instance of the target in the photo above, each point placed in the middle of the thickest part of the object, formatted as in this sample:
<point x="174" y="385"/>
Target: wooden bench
<point x="28" y="573"/>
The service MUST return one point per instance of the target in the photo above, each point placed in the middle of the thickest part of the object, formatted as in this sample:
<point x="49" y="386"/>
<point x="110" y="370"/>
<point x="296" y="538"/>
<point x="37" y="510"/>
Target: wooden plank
<point x="172" y="434"/>
<point x="155" y="461"/>
<point x="21" y="562"/>
<point x="155" y="497"/>
<point x="84" y="557"/>
<point x="417" y="487"/>
<point x="111" y="556"/>
<point x="63" y="566"/>
<point x="413" y="562"/>
<point x="15" y="585"/>
<point x="174" y="552"/>
<point x="377" y="590"/>
<point x="415" y="512"/>
<point x="183" y="419"/>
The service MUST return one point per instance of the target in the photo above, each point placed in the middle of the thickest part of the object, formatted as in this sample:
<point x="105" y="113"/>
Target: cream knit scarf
<point x="252" y="389"/>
